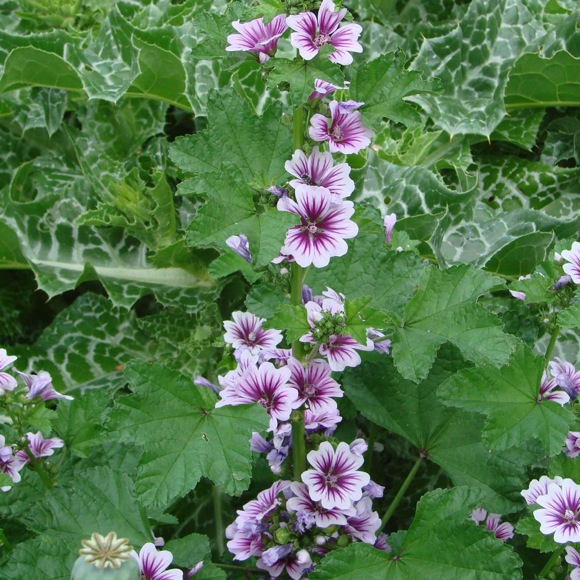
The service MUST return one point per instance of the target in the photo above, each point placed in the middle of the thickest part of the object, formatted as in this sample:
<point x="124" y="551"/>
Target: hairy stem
<point x="37" y="466"/>
<point x="401" y="493"/>
<point x="298" y="128"/>
<point x="243" y="569"/>
<point x="298" y="444"/>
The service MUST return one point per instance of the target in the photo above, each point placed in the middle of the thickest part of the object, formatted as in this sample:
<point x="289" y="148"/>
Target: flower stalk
<point x="401" y="493"/>
<point x="554" y="559"/>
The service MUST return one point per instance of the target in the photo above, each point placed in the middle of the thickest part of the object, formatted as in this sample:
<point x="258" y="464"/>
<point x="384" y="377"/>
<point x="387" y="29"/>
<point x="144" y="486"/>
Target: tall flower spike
<point x="257" y="37"/>
<point x="323" y="228"/>
<point x="347" y="132"/>
<point x="312" y="33"/>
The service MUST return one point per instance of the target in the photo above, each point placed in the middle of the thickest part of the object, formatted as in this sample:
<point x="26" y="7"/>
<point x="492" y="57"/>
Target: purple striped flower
<point x="561" y="511"/>
<point x="318" y="169"/>
<point x="573" y="268"/>
<point x="314" y="384"/>
<point x="7" y="382"/>
<point x="325" y="420"/>
<point x="323" y="226"/>
<point x="538" y="487"/>
<point x="322" y="89"/>
<point x="335" y="481"/>
<point x="241" y="246"/>
<point x="154" y="564"/>
<point x="39" y="446"/>
<point x="573" y="558"/>
<point x="347" y="132"/>
<point x="255" y="36"/>
<point x="267" y="386"/>
<point x="502" y="532"/>
<point x="548" y="392"/>
<point x="278" y="558"/>
<point x="364" y="524"/>
<point x="10" y="464"/>
<point x="309" y="510"/>
<point x="40" y="385"/>
<point x="389" y="222"/>
<point x="566" y="377"/>
<point x="246" y="332"/>
<point x="572" y="448"/>
<point x="312" y="33"/>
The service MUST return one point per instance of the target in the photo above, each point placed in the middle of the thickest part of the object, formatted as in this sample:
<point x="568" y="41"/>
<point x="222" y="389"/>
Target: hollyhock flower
<point x="318" y="169"/>
<point x="154" y="564"/>
<point x="389" y="222"/>
<point x="573" y="268"/>
<point x="373" y="490"/>
<point x="7" y="382"/>
<point x="573" y="558"/>
<point x="39" y="446"/>
<point x="40" y="385"/>
<point x="566" y="377"/>
<point x="502" y="532"/>
<point x="255" y="36"/>
<point x="335" y="481"/>
<point x="280" y="356"/>
<point x="246" y="332"/>
<point x="347" y="132"/>
<point x="312" y="33"/>
<point x="323" y="228"/>
<point x="267" y="386"/>
<point x="561" y="511"/>
<point x="381" y="543"/>
<point x="301" y="503"/>
<point x="572" y="448"/>
<point x="10" y="464"/>
<point x="314" y="384"/>
<point x="322" y="89"/>
<point x="538" y="488"/>
<point x="548" y="392"/>
<point x="365" y="523"/>
<point x="358" y="447"/>
<point x="241" y="246"/>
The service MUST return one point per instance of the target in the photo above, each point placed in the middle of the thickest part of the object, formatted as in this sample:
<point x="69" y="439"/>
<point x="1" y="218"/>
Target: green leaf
<point x="536" y="81"/>
<point x="570" y="317"/>
<point x="265" y="299"/>
<point x="370" y="269"/>
<point x="441" y="543"/>
<point x="530" y="527"/>
<point x="509" y="397"/>
<point x="298" y="76"/>
<point x="383" y="84"/>
<point x="184" y="437"/>
<point x="257" y="145"/>
<point x="445" y="309"/>
<point x="360" y="317"/>
<point x="292" y="319"/>
<point x="451" y="438"/>
<point x="536" y="288"/>
<point x="473" y="61"/>
<point x="230" y="210"/>
<point x="100" y="501"/>
<point x="520" y="256"/>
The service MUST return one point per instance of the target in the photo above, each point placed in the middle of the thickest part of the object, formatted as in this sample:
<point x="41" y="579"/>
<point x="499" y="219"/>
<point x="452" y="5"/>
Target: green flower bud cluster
<point x="329" y="325"/>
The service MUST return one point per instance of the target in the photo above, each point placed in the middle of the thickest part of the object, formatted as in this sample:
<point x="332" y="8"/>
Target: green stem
<point x="298" y="444"/>
<point x="400" y="494"/>
<point x="219" y="520"/>
<point x="298" y="128"/>
<point x="298" y="278"/>
<point x="551" y="562"/>
<point x="552" y="343"/>
<point x="37" y="466"/>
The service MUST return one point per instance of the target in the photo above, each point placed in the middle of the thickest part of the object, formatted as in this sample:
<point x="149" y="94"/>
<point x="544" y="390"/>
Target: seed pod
<point x="105" y="557"/>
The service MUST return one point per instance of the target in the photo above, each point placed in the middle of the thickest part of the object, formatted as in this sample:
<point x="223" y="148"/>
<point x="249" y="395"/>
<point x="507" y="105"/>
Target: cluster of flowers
<point x="17" y="400"/>
<point x="291" y="525"/>
<point x="502" y="531"/>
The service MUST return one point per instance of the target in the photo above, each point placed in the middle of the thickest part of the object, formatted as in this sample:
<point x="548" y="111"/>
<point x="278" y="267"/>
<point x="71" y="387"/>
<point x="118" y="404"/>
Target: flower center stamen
<point x="321" y="40"/>
<point x="336" y="133"/>
<point x="569" y="515"/>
